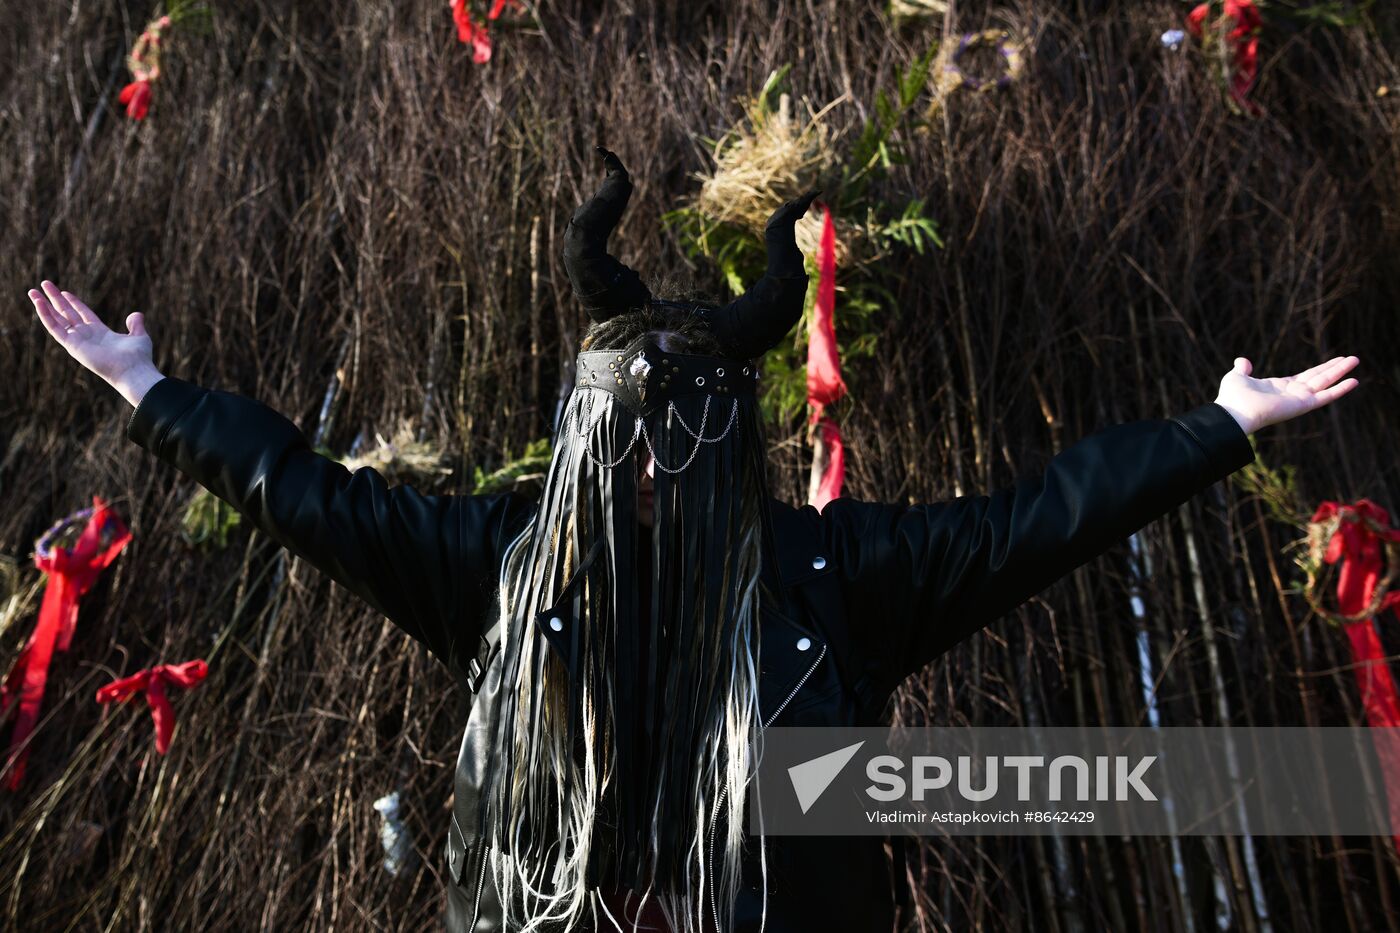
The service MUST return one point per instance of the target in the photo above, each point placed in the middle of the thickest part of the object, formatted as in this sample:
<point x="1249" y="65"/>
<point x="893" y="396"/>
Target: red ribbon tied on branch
<point x="831" y="463"/>
<point x="153" y="681"/>
<point x="144" y="63"/>
<point x="1243" y="21"/>
<point x="824" y="383"/>
<point x="71" y="573"/>
<point x="478" y="36"/>
<point x="1361" y="538"/>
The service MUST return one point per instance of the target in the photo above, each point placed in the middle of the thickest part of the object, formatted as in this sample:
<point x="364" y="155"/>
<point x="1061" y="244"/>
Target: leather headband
<point x="645" y="377"/>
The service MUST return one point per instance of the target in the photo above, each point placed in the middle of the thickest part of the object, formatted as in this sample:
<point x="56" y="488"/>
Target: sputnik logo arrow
<point x="811" y="778"/>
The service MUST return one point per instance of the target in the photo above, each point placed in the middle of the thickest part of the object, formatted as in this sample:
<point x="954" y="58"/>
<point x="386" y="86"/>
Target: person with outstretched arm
<point x="621" y="635"/>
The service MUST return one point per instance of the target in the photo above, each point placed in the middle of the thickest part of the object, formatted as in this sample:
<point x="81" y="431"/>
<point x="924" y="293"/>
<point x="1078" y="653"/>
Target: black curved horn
<point x="757" y="320"/>
<point x="604" y="286"/>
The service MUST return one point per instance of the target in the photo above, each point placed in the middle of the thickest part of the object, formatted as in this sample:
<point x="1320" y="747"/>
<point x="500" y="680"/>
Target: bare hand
<point x="1258" y="403"/>
<point x="123" y="360"/>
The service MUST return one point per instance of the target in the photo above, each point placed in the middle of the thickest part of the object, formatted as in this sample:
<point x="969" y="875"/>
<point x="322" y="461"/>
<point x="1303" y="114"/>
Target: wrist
<point x="133" y="384"/>
<point x="1245" y="422"/>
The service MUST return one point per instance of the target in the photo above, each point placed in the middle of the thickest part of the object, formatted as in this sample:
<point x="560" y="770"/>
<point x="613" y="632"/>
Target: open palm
<point x="123" y="360"/>
<point x="1257" y="403"/>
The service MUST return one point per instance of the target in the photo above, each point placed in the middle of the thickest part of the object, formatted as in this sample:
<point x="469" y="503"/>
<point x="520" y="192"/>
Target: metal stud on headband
<point x="644" y="377"/>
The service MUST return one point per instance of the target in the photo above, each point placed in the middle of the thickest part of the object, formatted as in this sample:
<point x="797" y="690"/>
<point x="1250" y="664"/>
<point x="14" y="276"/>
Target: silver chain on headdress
<point x="573" y="419"/>
<point x="640" y="428"/>
<point x="699" y="438"/>
<point x="734" y="413"/>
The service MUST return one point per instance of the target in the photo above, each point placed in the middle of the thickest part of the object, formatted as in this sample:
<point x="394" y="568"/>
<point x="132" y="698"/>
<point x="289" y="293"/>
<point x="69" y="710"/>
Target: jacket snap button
<point x="804" y="643"/>
<point x="557" y="624"/>
<point x="818" y="562"/>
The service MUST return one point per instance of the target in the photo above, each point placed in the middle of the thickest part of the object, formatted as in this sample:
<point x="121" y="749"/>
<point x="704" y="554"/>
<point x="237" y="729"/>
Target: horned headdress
<point x="748" y="326"/>
<point x="630" y="669"/>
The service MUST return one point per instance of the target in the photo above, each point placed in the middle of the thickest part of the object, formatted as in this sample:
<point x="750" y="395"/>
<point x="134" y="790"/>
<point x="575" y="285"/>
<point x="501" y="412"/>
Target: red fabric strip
<point x="469" y="32"/>
<point x="1359" y="543"/>
<point x="835" y="473"/>
<point x="153" y="681"/>
<point x="71" y="573"/>
<point x="1382" y="711"/>
<point x="824" y="382"/>
<point x="1244" y="18"/>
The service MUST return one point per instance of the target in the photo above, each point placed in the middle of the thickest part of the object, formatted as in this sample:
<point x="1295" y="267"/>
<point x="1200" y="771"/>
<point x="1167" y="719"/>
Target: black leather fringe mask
<point x="630" y="667"/>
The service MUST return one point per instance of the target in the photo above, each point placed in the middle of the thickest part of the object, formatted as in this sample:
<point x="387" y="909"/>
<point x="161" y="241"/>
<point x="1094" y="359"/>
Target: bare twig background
<point x="331" y="201"/>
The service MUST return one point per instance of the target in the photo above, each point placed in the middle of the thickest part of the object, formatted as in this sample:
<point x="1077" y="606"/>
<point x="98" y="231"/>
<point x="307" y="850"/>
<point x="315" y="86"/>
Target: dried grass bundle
<point x="773" y="155"/>
<point x="903" y="11"/>
<point x="404" y="459"/>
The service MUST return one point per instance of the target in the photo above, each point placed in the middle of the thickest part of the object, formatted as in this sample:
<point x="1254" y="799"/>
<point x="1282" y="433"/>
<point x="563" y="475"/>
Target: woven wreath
<point x="1009" y="54"/>
<point x="1325" y="547"/>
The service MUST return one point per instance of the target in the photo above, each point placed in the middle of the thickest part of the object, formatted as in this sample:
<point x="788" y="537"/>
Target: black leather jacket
<point x="872" y="591"/>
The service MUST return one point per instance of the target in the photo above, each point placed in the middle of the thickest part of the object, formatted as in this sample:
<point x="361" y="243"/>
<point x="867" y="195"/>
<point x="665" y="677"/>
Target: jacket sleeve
<point x="931" y="575"/>
<point x="426" y="562"/>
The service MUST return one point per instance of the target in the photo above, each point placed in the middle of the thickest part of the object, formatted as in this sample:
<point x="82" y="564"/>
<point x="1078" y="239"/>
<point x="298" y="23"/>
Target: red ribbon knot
<point x="153" y="681"/>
